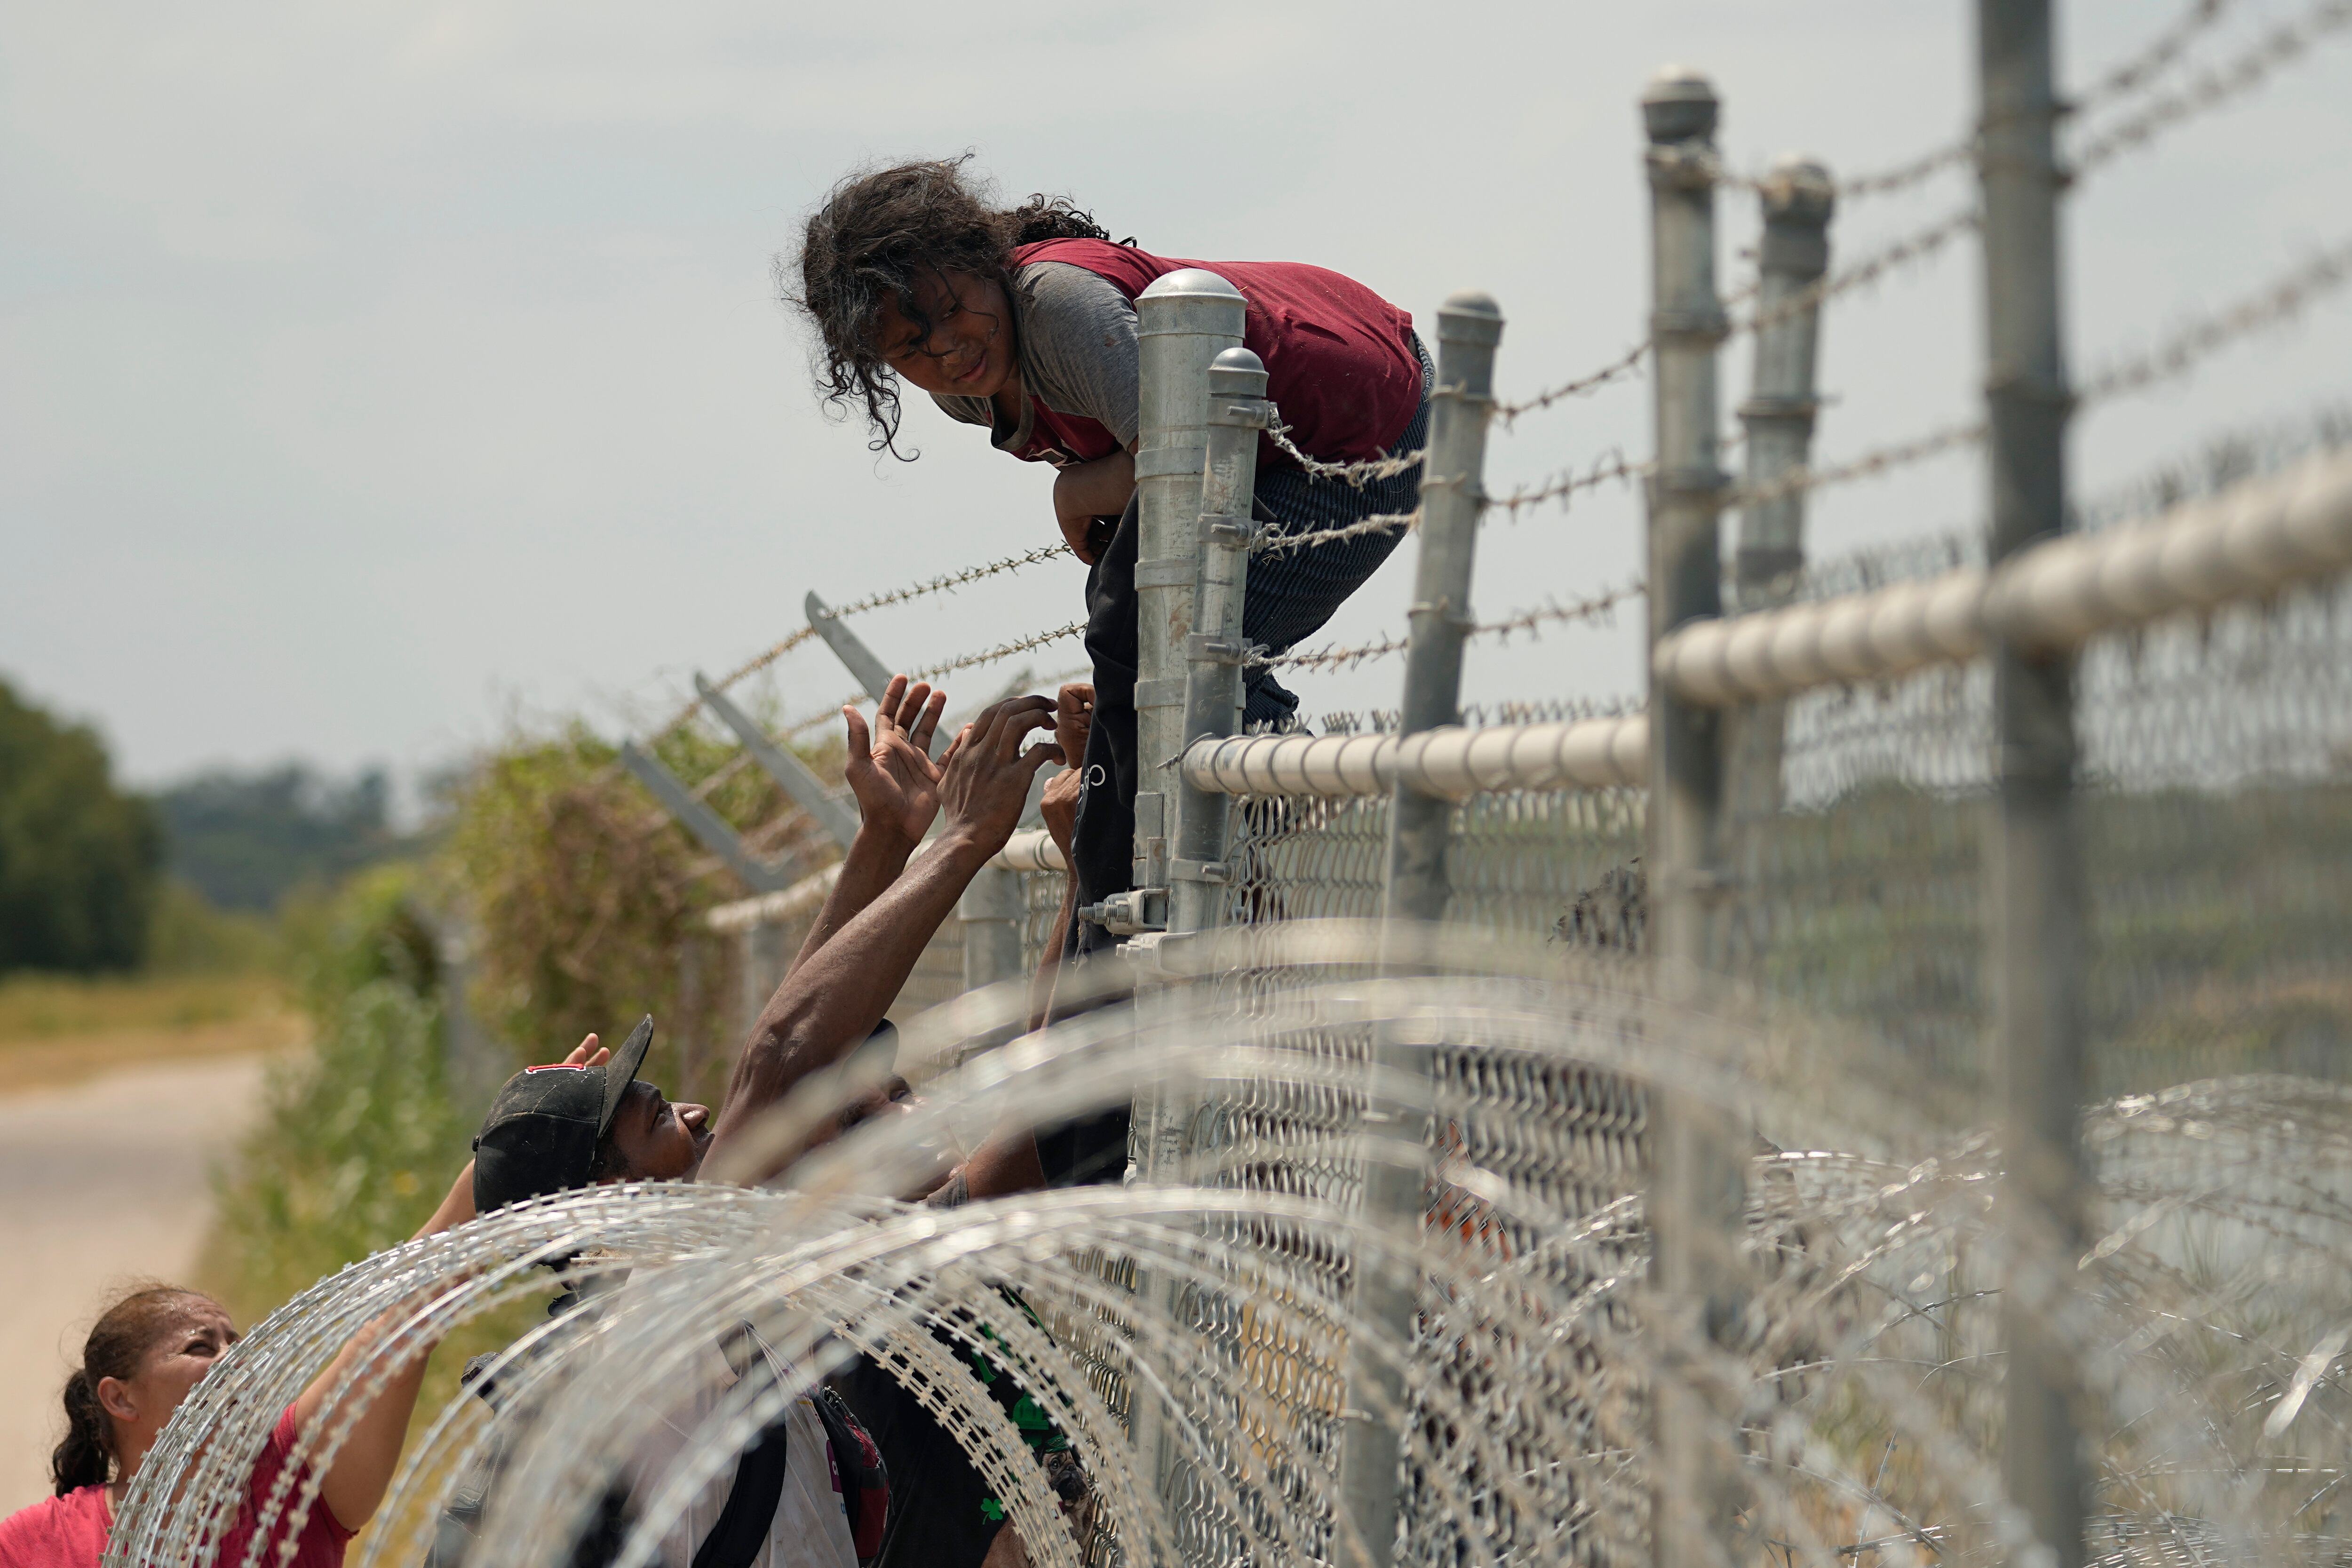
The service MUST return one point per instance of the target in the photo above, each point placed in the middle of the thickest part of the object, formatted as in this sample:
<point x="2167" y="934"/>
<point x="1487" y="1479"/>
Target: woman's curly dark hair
<point x="876" y="233"/>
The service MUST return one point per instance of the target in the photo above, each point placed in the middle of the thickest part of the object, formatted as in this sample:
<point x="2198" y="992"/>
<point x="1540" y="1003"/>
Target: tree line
<point x="84" y="861"/>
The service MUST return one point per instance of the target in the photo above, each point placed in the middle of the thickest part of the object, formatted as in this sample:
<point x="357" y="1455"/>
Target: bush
<point x="587" y="901"/>
<point x="78" y="858"/>
<point x="360" y="1139"/>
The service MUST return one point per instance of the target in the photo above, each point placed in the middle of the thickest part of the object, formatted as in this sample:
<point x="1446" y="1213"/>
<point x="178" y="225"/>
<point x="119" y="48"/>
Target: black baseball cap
<point x="541" y="1133"/>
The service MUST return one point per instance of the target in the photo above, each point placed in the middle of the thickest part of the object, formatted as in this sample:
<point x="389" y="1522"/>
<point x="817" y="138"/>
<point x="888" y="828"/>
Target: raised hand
<point x="1074" y="717"/>
<point x="889" y="770"/>
<point x="984" y="780"/>
<point x="586" y="1054"/>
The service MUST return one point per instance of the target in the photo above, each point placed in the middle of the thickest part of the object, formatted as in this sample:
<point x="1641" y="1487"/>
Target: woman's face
<point x="969" y="352"/>
<point x="198" y="1334"/>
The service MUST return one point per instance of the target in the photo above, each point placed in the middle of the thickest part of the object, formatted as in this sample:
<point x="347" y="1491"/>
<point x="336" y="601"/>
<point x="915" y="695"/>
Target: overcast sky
<point x="375" y="377"/>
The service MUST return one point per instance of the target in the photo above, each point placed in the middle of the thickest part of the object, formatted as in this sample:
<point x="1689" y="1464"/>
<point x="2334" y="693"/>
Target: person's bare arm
<point x="896" y="786"/>
<point x="832" y="1002"/>
<point x="355" y="1483"/>
<point x="1085" y="491"/>
<point x="1074" y="717"/>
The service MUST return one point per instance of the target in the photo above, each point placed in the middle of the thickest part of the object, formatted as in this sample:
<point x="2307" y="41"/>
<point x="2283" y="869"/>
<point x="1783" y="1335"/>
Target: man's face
<point x="660" y="1142"/>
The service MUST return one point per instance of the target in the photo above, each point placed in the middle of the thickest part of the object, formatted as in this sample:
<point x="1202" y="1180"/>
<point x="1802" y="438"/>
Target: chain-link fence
<point x="1849" y="785"/>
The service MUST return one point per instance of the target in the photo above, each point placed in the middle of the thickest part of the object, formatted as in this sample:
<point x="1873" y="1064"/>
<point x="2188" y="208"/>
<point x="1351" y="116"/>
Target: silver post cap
<point x="1192" y="282"/>
<point x="1799" y="189"/>
<point x="1189" y="300"/>
<point x="1679" y="105"/>
<point x="1470" y="316"/>
<point x="1236" y="372"/>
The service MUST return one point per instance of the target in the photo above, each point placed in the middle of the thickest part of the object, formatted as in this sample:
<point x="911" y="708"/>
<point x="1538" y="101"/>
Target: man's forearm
<point x="839" y="992"/>
<point x="1049" y="963"/>
<point x="876" y="857"/>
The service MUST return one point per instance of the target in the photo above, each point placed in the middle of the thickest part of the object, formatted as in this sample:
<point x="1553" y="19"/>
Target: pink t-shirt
<point x="69" y="1531"/>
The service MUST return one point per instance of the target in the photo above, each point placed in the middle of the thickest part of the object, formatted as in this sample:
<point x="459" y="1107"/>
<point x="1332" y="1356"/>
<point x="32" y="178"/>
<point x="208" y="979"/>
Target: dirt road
<point x="103" y="1182"/>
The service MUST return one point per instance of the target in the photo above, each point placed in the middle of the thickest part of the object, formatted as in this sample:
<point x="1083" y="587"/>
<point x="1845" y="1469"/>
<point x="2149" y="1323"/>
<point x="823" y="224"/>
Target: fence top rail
<point x="2245" y="543"/>
<point x="1452" y="764"/>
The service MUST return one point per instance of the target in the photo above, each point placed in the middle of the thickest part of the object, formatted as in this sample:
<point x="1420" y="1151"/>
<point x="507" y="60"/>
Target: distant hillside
<point x="243" y="839"/>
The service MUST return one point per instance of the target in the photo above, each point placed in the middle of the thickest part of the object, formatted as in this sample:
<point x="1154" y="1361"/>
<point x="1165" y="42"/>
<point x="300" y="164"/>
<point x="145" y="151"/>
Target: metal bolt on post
<point x="1697" y="1184"/>
<point x="1778" y="416"/>
<point x="1452" y="495"/>
<point x="2034" y="865"/>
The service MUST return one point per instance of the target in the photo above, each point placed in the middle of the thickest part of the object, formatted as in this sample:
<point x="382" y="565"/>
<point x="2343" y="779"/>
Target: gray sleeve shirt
<point x="1079" y="354"/>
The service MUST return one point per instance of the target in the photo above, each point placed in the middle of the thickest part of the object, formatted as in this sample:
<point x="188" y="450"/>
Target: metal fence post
<point x="834" y="811"/>
<point x="1797" y="199"/>
<point x="698" y="818"/>
<point x="1452" y="495"/>
<point x="1215" y="649"/>
<point x="1184" y="321"/>
<point x="2033" y="869"/>
<point x="1698" y="1176"/>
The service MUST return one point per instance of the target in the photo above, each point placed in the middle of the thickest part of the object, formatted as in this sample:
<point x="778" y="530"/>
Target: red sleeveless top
<point x="1339" y="361"/>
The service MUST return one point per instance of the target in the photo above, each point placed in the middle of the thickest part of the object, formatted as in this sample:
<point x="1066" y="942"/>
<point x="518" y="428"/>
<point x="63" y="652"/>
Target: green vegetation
<point x="587" y="900"/>
<point x="359" y="1138"/>
<point x="78" y="858"/>
<point x="246" y="840"/>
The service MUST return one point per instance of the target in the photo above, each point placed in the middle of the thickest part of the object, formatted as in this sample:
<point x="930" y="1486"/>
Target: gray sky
<point x="374" y="377"/>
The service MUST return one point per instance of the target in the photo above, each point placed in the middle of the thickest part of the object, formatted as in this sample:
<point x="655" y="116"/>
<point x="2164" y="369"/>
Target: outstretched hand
<point x="889" y="770"/>
<point x="984" y="780"/>
<point x="1074" y="717"/>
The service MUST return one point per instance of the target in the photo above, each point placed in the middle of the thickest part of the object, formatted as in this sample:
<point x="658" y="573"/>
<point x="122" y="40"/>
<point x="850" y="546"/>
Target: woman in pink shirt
<point x="143" y="1355"/>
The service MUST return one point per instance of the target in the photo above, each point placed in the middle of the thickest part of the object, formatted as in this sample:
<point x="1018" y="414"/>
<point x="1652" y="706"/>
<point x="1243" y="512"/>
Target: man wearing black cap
<point x="567" y="1125"/>
<point x="572" y="1124"/>
<point x="590" y="1120"/>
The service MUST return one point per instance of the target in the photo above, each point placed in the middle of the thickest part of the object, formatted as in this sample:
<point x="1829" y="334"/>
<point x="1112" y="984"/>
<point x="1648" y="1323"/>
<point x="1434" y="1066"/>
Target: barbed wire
<point x="2154" y="57"/>
<point x="1610" y="466"/>
<point x="1326" y="657"/>
<point x="741" y="672"/>
<point x="1921" y="244"/>
<point x="1617" y="369"/>
<point x="1357" y="475"/>
<point x="2176" y="355"/>
<point x="2135" y="72"/>
<point x="948" y="582"/>
<point x="1597" y="610"/>
<point x="945" y="582"/>
<point x="2280" y="46"/>
<point x="1002" y="650"/>
<point x="1271" y="543"/>
<point x="1876" y="461"/>
<point x="2132" y="73"/>
<point x="2275" y="302"/>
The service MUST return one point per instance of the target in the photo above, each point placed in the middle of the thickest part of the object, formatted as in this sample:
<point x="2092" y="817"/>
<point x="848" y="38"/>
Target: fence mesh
<point x="2215" y="766"/>
<point x="2217" y="839"/>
